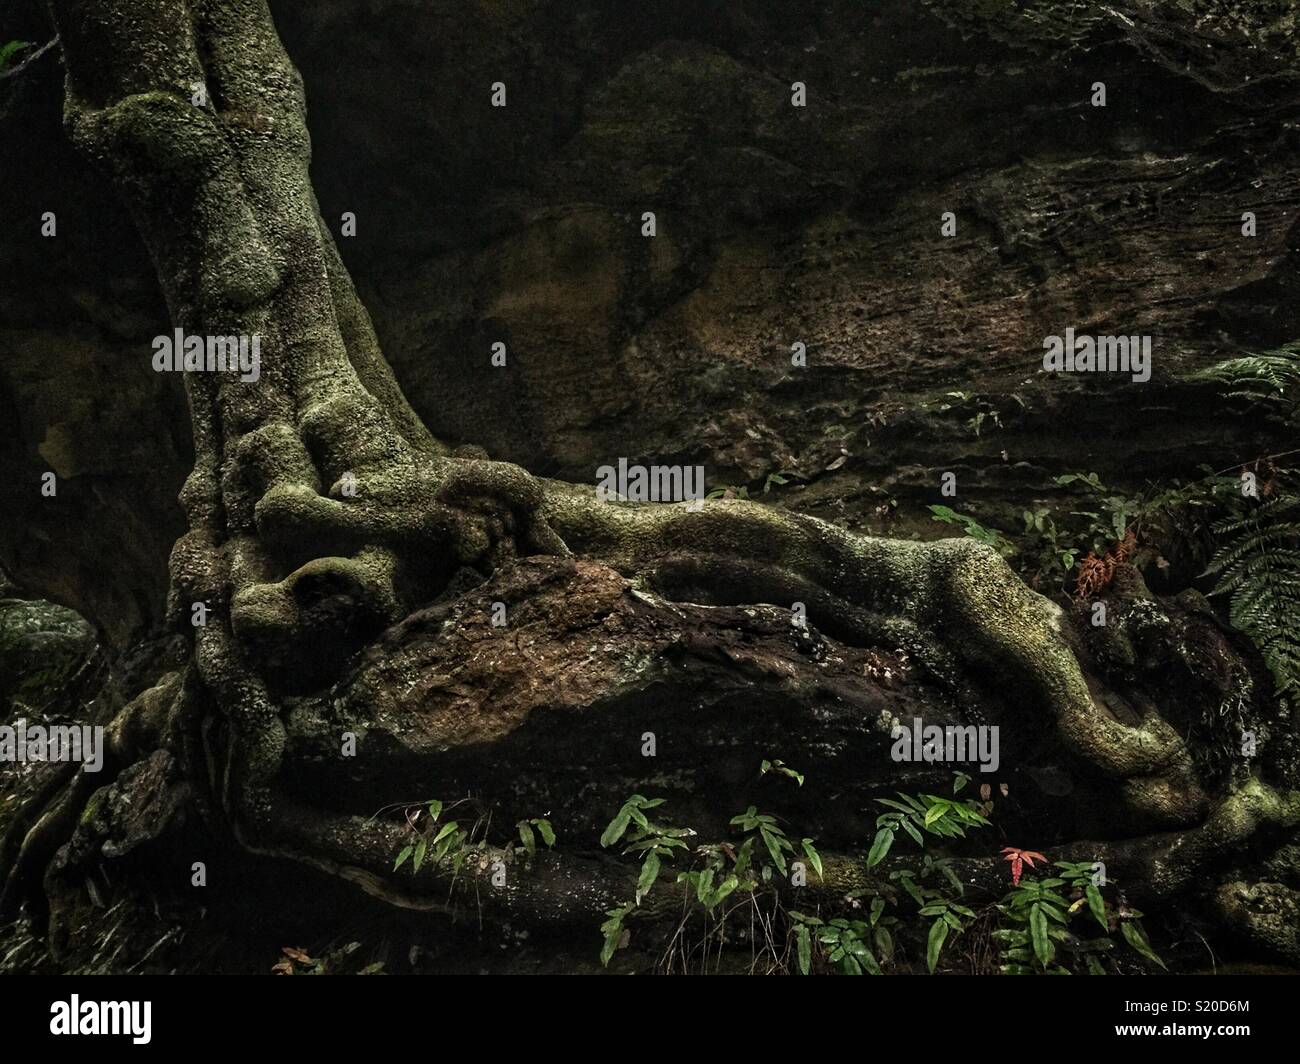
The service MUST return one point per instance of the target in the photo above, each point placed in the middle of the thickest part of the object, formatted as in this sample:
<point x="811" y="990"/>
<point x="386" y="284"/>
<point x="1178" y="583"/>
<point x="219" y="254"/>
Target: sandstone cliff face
<point x="775" y="225"/>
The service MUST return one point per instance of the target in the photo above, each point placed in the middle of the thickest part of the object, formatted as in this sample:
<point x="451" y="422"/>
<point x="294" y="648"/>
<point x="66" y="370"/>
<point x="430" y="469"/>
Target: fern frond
<point x="1252" y="542"/>
<point x="1258" y="376"/>
<point x="1258" y="565"/>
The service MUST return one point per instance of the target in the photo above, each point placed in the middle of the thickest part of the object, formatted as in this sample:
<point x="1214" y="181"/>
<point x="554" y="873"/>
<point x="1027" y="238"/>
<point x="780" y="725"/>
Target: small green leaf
<point x="420" y="848"/>
<point x="803" y="938"/>
<point x="1097" y="906"/>
<point x="724" y="889"/>
<point x="1043" y="948"/>
<point x="613" y="931"/>
<point x="773" y="848"/>
<point x="616" y="828"/>
<point x="938" y="935"/>
<point x="546" y="831"/>
<point x="879" y="848"/>
<point x="401" y="857"/>
<point x="884" y="943"/>
<point x="910" y="886"/>
<point x="814" y="858"/>
<point x="1134" y="937"/>
<point x="649" y="873"/>
<point x="910" y="828"/>
<point x="877" y="907"/>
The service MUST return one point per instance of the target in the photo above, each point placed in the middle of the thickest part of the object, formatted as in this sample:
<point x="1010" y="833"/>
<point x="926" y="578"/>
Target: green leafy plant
<point x="653" y="842"/>
<point x="1257" y="556"/>
<point x="761" y="827"/>
<point x="723" y="874"/>
<point x="741" y="491"/>
<point x="1178" y="519"/>
<point x="982" y="411"/>
<point x="1044" y="925"/>
<point x="844" y="942"/>
<point x="741" y="874"/>
<point x="974" y="529"/>
<point x="780" y="768"/>
<point x="530" y="829"/>
<point x="1051" y="551"/>
<point x="1257" y="567"/>
<point x="729" y="491"/>
<point x="718" y="870"/>
<point x="1110" y="522"/>
<point x="947" y="916"/>
<point x="728" y="868"/>
<point x="1269" y="380"/>
<point x="918" y="815"/>
<point x="430" y="838"/>
<point x="780" y="479"/>
<point x="1036" y="914"/>
<point x="615" y="935"/>
<point x="1107" y="527"/>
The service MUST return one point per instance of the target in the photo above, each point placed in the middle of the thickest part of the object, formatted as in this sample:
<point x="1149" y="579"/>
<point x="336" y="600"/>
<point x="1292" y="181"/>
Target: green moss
<point x="95" y="805"/>
<point x="41" y="647"/>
